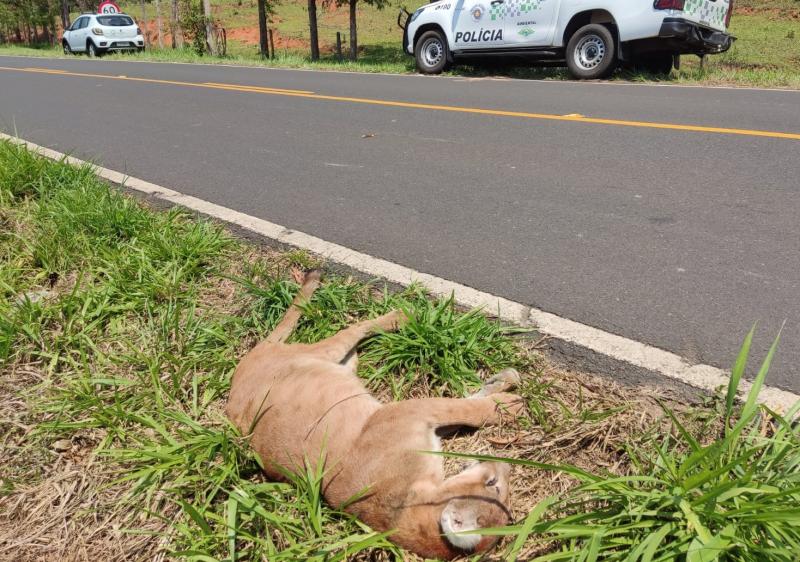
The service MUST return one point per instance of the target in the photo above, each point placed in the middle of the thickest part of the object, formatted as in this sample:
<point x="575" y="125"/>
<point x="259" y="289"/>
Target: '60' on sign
<point x="108" y="7"/>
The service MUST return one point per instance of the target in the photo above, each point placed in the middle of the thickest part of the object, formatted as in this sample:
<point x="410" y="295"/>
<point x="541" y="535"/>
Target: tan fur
<point x="302" y="403"/>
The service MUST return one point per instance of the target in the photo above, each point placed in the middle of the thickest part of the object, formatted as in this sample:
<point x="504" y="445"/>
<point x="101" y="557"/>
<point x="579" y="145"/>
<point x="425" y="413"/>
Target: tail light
<point x="669" y="4"/>
<point x="97" y="31"/>
<point x="729" y="14"/>
<point x="138" y="30"/>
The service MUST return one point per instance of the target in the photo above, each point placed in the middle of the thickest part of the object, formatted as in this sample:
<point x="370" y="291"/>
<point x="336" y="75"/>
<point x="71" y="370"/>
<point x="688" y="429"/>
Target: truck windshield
<point x="114" y="21"/>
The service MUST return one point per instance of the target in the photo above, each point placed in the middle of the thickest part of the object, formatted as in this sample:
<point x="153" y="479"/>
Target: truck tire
<point x="430" y="52"/>
<point x="591" y="52"/>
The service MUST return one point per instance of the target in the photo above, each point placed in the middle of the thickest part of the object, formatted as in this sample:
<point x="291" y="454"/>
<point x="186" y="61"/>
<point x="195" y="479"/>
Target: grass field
<point x="120" y="326"/>
<point x="766" y="54"/>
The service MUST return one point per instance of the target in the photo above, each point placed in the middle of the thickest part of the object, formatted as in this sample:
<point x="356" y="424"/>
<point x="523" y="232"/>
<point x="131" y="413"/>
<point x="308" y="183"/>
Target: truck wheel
<point x="591" y="52"/>
<point x="431" y="52"/>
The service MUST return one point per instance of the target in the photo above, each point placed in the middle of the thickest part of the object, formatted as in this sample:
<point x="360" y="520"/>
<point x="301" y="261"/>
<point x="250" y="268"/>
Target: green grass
<point x="117" y="309"/>
<point x="696" y="496"/>
<point x="441" y="349"/>
<point x="374" y="59"/>
<point x="766" y="53"/>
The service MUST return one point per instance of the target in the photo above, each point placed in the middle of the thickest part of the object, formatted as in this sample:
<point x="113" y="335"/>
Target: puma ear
<point x="457" y="517"/>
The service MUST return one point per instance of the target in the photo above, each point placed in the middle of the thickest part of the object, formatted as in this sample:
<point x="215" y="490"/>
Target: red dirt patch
<point x="249" y="36"/>
<point x="246" y="35"/>
<point x="150" y="29"/>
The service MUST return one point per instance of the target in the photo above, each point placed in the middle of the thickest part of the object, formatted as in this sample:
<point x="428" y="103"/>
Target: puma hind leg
<point x="340" y="348"/>
<point x="289" y="321"/>
<point x="455" y="412"/>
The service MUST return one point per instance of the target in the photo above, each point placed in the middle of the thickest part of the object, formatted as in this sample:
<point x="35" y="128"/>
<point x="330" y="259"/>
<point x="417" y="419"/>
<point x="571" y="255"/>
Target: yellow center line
<point x="46" y="70"/>
<point x="209" y="85"/>
<point x="575" y="117"/>
<point x="266" y="89"/>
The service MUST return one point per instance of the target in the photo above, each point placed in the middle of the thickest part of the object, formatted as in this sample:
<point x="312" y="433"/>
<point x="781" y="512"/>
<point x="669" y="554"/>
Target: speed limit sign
<point x="108" y="7"/>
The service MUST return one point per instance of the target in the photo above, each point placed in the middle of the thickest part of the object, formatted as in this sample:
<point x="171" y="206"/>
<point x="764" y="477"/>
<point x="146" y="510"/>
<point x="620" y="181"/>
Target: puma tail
<point x="284" y="328"/>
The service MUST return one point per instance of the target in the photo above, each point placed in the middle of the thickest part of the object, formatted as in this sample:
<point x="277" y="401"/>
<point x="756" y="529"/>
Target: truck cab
<point x="592" y="37"/>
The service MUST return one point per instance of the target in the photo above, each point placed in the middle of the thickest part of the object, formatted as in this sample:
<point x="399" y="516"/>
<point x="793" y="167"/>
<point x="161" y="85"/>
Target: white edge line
<point x="458" y="78"/>
<point x="705" y="377"/>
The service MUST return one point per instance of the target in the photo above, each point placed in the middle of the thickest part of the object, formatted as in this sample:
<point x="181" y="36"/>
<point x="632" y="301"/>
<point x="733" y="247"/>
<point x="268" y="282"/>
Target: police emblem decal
<point x="477" y="12"/>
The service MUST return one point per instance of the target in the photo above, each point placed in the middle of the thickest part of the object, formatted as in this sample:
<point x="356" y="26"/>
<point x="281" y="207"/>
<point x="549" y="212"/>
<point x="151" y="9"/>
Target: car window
<point x="76" y="24"/>
<point x="114" y="21"/>
<point x="84" y="23"/>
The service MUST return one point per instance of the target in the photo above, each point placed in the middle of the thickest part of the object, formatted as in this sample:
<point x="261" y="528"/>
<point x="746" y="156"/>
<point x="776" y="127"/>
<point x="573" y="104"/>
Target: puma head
<point x="479" y="504"/>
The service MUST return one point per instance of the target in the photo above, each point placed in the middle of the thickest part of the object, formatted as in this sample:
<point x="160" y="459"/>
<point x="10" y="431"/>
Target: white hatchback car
<point x="95" y="34"/>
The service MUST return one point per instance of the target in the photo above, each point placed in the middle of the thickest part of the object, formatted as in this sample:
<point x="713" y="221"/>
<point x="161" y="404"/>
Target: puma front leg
<point x="448" y="412"/>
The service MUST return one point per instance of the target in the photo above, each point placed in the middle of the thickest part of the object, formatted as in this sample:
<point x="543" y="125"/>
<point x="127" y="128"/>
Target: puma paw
<point x="313" y="275"/>
<point x="394" y="320"/>
<point x="506" y="379"/>
<point x="508" y="404"/>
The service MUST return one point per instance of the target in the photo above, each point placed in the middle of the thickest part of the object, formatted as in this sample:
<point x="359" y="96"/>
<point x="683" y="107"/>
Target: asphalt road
<point x="676" y="237"/>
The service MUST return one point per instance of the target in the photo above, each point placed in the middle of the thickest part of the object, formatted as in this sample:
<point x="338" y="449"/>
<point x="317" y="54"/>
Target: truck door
<point x="530" y="22"/>
<point x="478" y="24"/>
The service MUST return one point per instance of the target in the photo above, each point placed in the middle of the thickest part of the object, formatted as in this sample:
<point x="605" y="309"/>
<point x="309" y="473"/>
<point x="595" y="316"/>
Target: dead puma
<point x="305" y="401"/>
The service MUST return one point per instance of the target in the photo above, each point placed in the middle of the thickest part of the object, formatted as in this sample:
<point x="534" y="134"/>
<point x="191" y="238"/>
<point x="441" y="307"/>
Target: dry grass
<point x="62" y="504"/>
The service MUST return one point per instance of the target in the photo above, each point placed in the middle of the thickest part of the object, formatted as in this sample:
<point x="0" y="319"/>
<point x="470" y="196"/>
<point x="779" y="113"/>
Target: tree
<point x="380" y="4"/>
<point x="159" y="25"/>
<point x="263" y="47"/>
<point x="175" y="30"/>
<point x="144" y="22"/>
<point x="193" y="24"/>
<point x="312" y="28"/>
<point x="30" y="21"/>
<point x="209" y="27"/>
<point x="64" y="14"/>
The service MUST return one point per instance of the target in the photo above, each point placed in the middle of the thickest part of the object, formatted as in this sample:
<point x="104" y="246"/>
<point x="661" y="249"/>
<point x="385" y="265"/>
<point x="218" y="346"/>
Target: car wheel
<point x="431" y="52"/>
<point x="591" y="52"/>
<point x="654" y="63"/>
<point x="67" y="50"/>
<point x="91" y="50"/>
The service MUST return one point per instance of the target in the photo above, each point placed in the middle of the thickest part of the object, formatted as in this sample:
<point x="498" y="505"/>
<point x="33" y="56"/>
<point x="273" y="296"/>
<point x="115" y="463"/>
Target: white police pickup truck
<point x="592" y="36"/>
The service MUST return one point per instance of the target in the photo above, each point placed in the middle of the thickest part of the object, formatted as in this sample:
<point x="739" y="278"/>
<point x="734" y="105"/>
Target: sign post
<point x="108" y="7"/>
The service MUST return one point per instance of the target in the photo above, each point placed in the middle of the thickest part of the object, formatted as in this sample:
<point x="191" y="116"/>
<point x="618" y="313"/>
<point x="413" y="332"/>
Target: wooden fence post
<point x="271" y="45"/>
